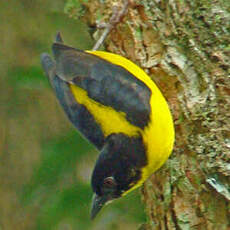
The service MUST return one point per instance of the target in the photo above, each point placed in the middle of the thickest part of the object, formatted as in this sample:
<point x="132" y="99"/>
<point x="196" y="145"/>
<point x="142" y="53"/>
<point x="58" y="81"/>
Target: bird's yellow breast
<point x="158" y="135"/>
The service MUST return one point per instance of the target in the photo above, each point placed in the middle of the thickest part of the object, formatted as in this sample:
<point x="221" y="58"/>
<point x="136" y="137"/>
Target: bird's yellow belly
<point x="159" y="135"/>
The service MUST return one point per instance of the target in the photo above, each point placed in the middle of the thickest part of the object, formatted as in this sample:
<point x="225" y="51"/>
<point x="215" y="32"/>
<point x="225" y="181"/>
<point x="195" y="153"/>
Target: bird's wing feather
<point x="77" y="113"/>
<point x="106" y="83"/>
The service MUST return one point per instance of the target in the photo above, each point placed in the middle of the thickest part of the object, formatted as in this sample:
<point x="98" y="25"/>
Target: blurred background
<point x="45" y="165"/>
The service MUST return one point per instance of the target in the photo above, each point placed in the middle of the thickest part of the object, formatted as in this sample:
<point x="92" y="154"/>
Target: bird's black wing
<point x="106" y="83"/>
<point x="77" y="113"/>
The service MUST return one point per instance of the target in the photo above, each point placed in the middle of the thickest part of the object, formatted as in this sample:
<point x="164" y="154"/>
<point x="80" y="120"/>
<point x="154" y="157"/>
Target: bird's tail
<point x="58" y="38"/>
<point x="48" y="64"/>
<point x="46" y="61"/>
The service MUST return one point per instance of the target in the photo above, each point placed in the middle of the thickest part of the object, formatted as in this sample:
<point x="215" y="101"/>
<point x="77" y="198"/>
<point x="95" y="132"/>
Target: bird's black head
<point x="117" y="169"/>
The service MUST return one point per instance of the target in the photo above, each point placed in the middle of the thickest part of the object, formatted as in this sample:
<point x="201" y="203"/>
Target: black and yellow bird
<point x="118" y="108"/>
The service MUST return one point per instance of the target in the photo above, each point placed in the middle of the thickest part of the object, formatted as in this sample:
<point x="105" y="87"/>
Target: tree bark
<point x="185" y="47"/>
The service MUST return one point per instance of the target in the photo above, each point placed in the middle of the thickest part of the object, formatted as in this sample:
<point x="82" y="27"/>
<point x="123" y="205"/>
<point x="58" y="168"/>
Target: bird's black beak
<point x="98" y="203"/>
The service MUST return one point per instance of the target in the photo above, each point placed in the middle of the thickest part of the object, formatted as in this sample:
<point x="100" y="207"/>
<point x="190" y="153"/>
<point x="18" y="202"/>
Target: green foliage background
<point x="45" y="165"/>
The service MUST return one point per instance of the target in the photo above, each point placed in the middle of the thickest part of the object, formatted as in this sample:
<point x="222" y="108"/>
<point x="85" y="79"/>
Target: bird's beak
<point x="98" y="203"/>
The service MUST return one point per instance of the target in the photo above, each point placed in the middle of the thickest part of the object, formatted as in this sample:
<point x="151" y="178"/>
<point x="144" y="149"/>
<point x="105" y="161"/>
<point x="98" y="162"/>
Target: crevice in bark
<point x="173" y="212"/>
<point x="166" y="222"/>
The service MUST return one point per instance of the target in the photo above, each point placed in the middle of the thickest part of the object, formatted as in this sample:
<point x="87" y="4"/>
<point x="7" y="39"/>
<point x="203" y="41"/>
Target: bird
<point x="118" y="108"/>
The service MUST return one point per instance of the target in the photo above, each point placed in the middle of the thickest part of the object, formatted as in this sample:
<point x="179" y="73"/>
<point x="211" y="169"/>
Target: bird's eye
<point x="109" y="182"/>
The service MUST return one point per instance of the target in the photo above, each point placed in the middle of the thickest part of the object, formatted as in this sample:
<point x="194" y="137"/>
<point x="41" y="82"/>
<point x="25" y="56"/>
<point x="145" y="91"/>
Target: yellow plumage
<point x="158" y="135"/>
<point x="119" y="109"/>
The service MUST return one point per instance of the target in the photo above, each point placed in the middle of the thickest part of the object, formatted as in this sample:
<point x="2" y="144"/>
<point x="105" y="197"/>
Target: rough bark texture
<point x="185" y="47"/>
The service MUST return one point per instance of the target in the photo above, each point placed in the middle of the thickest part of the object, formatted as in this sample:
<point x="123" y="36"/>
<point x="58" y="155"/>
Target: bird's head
<point x="117" y="170"/>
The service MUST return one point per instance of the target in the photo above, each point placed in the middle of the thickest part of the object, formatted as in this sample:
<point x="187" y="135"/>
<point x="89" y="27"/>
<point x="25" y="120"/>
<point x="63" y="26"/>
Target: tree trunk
<point x="184" y="46"/>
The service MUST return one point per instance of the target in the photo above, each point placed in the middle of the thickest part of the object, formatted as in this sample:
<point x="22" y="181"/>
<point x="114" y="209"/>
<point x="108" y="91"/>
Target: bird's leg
<point x="114" y="20"/>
